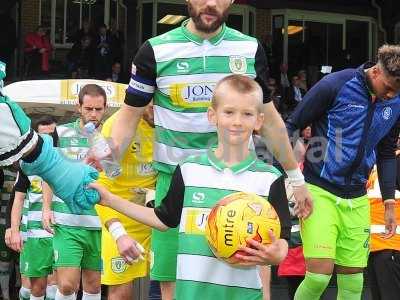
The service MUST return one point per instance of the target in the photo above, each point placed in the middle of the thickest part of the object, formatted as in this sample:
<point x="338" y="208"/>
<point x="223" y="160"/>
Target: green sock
<point x="350" y="286"/>
<point x="312" y="286"/>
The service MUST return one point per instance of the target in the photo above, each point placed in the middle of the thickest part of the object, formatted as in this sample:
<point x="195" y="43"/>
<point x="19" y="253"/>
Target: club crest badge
<point x="237" y="64"/>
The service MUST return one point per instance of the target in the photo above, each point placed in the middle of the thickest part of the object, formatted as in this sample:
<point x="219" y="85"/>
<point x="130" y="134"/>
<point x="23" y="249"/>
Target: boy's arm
<point x="47" y="214"/>
<point x="163" y="217"/>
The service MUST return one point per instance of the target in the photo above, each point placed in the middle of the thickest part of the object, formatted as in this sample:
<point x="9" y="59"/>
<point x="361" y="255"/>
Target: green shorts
<point x="22" y="261"/>
<point x="37" y="257"/>
<point x="5" y="252"/>
<point x="164" y="244"/>
<point x="338" y="229"/>
<point x="75" y="247"/>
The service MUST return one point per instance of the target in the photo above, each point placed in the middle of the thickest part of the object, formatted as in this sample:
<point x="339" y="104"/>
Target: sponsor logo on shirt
<point x="182" y="67"/>
<point x="387" y="113"/>
<point x="237" y="64"/>
<point x="196" y="220"/>
<point x="198" y="197"/>
<point x="192" y="94"/>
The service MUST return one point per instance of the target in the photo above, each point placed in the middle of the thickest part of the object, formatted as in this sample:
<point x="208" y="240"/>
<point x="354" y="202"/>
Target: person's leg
<point x="120" y="291"/>
<point x="293" y="283"/>
<point x="386" y="265"/>
<point x="38" y="264"/>
<point x="372" y="277"/>
<point x="5" y="279"/>
<point x="154" y="291"/>
<point x="38" y="288"/>
<point x="51" y="287"/>
<point x="319" y="249"/>
<point x="25" y="290"/>
<point x="265" y="275"/>
<point x="164" y="247"/>
<point x="68" y="254"/>
<point x="91" y="285"/>
<point x="91" y="264"/>
<point x="352" y="247"/>
<point x="68" y="279"/>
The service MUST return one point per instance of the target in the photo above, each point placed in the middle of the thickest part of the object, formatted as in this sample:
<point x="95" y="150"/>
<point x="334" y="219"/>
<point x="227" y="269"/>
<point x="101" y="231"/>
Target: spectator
<point x="384" y="258"/>
<point x="85" y="31"/>
<point x="294" y="95"/>
<point x="116" y="74"/>
<point x="117" y="42"/>
<point x="275" y="93"/>
<point x="80" y="59"/>
<point x="302" y="74"/>
<point x="103" y="53"/>
<point x="37" y="52"/>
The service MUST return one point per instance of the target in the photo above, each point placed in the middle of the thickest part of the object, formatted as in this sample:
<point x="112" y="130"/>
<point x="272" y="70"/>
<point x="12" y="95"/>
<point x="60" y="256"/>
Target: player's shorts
<point x="115" y="270"/>
<point x="164" y="244"/>
<point x="5" y="252"/>
<point x="338" y="229"/>
<point x="22" y="261"/>
<point x="77" y="248"/>
<point x="37" y="257"/>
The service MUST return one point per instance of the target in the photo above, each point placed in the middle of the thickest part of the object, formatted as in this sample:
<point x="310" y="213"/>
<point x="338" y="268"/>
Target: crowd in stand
<point x="96" y="53"/>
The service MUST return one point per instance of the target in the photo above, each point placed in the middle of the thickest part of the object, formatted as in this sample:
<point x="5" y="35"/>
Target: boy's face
<point x="236" y="116"/>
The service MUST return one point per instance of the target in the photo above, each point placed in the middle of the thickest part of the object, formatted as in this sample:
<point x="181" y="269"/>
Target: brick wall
<point x="30" y="16"/>
<point x="263" y="22"/>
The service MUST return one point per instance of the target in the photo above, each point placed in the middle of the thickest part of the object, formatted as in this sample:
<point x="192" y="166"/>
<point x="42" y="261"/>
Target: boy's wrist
<point x="116" y="229"/>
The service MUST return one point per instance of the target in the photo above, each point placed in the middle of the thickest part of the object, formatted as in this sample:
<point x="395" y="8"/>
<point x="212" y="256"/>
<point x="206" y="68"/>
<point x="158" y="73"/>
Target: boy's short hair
<point x="389" y="59"/>
<point x="240" y="84"/>
<point x="92" y="90"/>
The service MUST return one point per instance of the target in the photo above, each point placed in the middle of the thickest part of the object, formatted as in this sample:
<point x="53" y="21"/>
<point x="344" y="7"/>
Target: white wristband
<point x="295" y="177"/>
<point x="116" y="230"/>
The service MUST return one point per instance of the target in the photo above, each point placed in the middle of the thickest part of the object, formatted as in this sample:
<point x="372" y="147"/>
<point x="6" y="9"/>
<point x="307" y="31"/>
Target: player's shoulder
<point x="235" y="35"/>
<point x="173" y="36"/>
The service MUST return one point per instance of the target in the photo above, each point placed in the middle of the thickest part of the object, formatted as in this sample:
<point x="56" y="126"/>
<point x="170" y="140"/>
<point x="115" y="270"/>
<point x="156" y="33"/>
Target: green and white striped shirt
<point x="180" y="70"/>
<point x="201" y="182"/>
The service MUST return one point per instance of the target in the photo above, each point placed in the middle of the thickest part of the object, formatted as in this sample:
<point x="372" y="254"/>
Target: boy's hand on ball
<point x="263" y="254"/>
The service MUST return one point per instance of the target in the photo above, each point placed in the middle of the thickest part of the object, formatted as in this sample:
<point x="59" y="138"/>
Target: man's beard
<point x="200" y="25"/>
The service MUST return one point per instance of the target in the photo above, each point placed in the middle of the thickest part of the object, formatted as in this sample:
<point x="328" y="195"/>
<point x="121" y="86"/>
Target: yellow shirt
<point x="137" y="170"/>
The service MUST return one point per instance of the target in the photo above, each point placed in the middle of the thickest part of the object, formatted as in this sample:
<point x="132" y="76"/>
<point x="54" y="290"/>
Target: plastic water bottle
<point x="102" y="151"/>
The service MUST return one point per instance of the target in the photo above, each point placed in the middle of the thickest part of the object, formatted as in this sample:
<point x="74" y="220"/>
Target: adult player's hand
<point x="256" y="253"/>
<point x="16" y="240"/>
<point x="390" y="219"/>
<point x="48" y="220"/>
<point x="304" y="204"/>
<point x="129" y="249"/>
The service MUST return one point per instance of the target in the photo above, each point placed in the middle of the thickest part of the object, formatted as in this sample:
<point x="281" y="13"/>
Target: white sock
<point x="60" y="296"/>
<point x="24" y="293"/>
<point x="51" y="292"/>
<point x="5" y="279"/>
<point x="87" y="296"/>
<point x="36" y="298"/>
